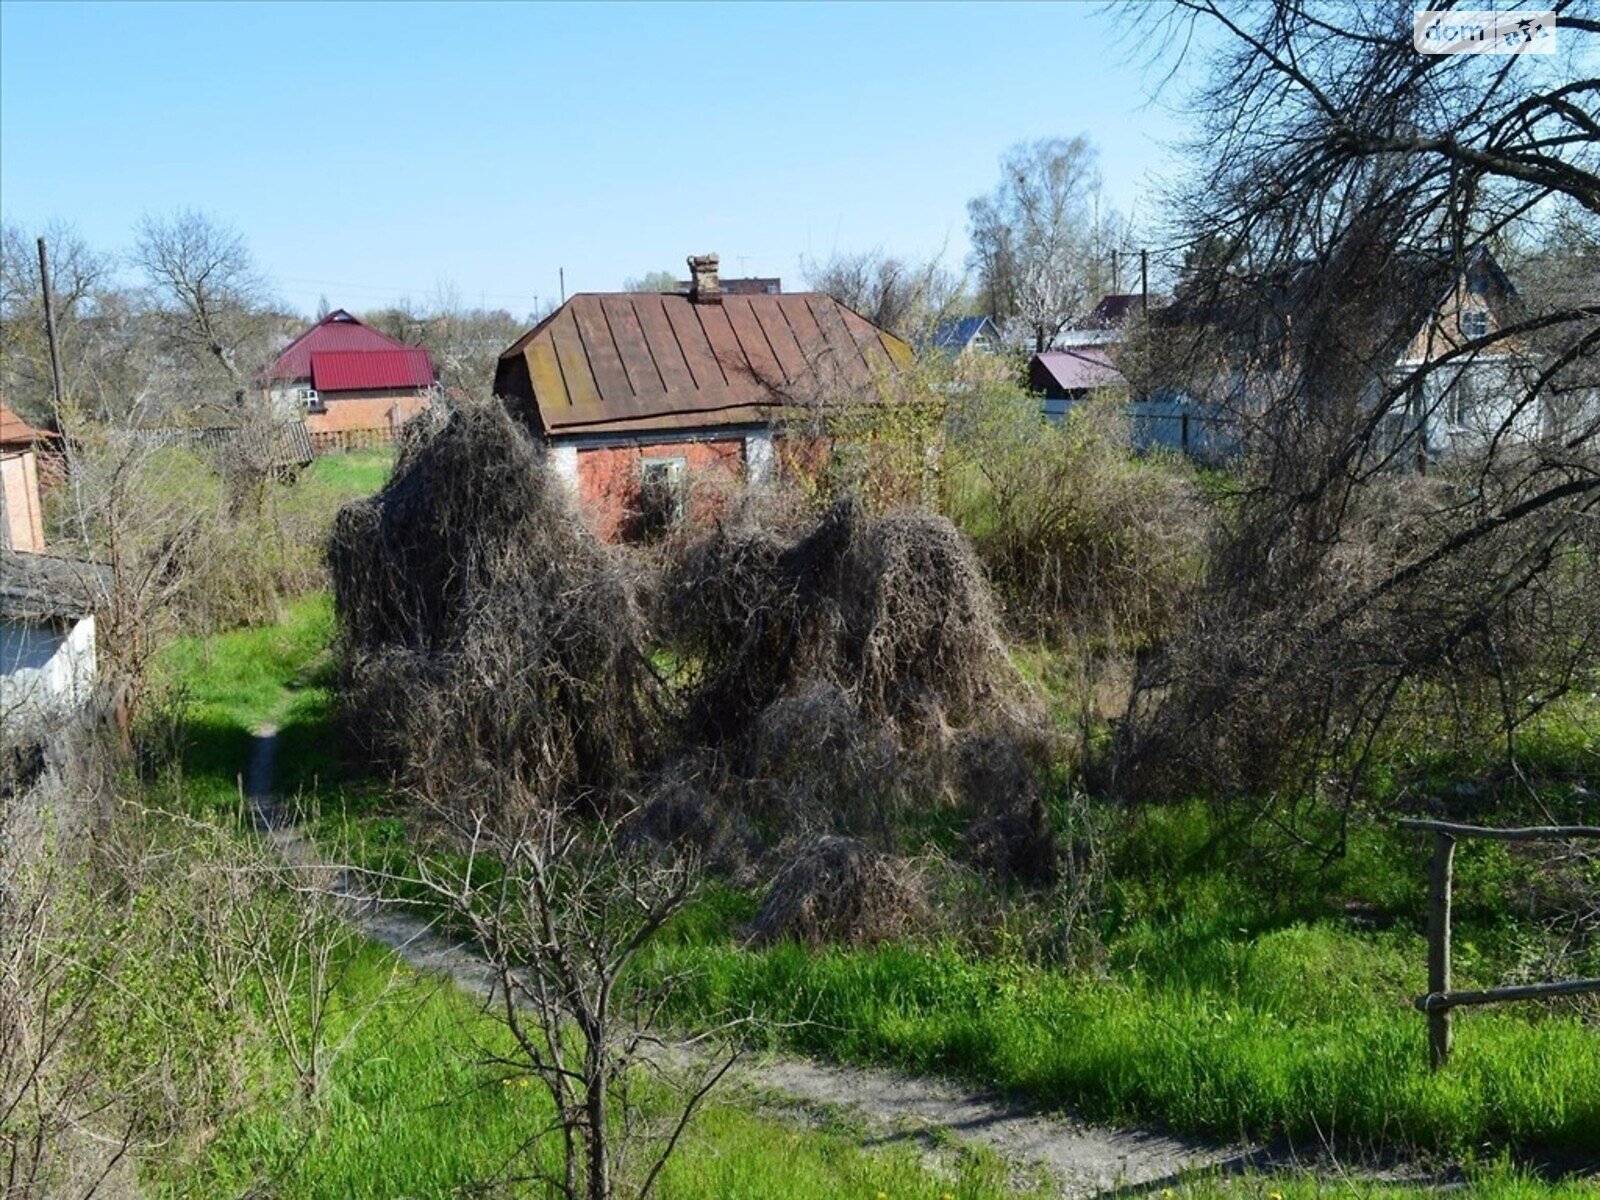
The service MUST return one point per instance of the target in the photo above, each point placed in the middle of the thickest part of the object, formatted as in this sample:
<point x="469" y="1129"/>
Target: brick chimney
<point x="704" y="286"/>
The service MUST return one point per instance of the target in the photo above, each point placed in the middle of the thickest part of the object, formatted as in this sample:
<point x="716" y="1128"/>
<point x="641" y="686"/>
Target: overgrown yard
<point x="1225" y="1001"/>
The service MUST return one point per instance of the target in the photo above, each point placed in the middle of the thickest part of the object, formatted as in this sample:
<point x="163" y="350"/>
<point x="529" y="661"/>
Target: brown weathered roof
<point x="15" y="432"/>
<point x="622" y="362"/>
<point x="44" y="587"/>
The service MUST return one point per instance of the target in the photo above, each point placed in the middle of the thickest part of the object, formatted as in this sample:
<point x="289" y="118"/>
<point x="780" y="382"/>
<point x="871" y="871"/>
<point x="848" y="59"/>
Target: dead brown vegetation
<point x="493" y="647"/>
<point x="840" y="890"/>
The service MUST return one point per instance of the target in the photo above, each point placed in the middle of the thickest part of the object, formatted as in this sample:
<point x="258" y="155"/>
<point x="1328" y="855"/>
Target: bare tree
<point x="906" y="297"/>
<point x="1040" y="238"/>
<point x="1349" y="189"/>
<point x="652" y="281"/>
<point x="209" y="299"/>
<point x="566" y="910"/>
<point x="79" y="275"/>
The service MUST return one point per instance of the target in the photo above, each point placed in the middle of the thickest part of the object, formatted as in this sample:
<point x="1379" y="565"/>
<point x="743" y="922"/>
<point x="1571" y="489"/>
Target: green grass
<point x="1303" y="1033"/>
<point x="1233" y="1000"/>
<point x="341" y="477"/>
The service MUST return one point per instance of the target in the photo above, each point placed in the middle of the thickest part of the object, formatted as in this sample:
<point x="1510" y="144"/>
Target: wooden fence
<point x="1440" y="999"/>
<point x="342" y="441"/>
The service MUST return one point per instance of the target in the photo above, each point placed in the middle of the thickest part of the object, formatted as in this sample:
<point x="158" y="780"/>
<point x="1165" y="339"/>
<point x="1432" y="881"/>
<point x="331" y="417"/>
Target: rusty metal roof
<point x="619" y="362"/>
<point x="15" y="432"/>
<point x="1074" y="370"/>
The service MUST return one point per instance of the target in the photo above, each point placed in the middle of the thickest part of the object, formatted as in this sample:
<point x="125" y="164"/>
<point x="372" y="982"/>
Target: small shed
<point x="47" y="635"/>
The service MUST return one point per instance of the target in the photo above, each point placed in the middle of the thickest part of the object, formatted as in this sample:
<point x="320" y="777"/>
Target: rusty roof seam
<point x="850" y="337"/>
<point x="566" y="380"/>
<point x="650" y="351"/>
<point x="588" y="359"/>
<point x="749" y="359"/>
<point x="712" y="346"/>
<point x="771" y="349"/>
<point x="616" y="346"/>
<point x="798" y="345"/>
<point x="678" y="342"/>
<point x="672" y="332"/>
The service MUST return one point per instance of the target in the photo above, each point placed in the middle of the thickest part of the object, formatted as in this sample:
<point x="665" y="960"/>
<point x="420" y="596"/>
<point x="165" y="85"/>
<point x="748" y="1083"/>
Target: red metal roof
<point x="336" y="333"/>
<point x="1074" y="370"/>
<point x="359" y="370"/>
<point x="634" y="361"/>
<point x="14" y="431"/>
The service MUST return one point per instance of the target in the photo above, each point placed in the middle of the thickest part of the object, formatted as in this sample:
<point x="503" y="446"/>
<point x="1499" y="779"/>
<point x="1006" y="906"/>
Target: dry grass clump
<point x="493" y="647"/>
<point x="840" y="890"/>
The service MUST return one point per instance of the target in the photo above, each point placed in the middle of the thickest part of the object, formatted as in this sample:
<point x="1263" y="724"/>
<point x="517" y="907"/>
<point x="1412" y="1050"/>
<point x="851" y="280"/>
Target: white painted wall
<point x="758" y="458"/>
<point x="45" y="669"/>
<point x="564" y="462"/>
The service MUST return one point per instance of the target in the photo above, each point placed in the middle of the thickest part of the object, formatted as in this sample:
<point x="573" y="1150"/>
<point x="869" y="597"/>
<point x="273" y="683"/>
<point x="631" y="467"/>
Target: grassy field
<point x="1227" y="1003"/>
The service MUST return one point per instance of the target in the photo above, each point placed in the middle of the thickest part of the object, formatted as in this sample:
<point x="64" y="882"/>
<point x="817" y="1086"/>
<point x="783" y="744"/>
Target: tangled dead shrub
<point x="838" y="662"/>
<point x="493" y="647"/>
<point x="998" y="775"/>
<point x="840" y="890"/>
<point x="895" y="612"/>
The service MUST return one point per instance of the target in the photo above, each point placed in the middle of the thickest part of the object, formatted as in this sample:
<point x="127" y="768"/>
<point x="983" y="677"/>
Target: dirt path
<point x="1081" y="1160"/>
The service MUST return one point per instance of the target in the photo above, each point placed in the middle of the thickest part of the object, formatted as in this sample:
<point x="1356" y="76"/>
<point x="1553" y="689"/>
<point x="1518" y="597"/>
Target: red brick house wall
<point x="365" y="410"/>
<point x="609" y="480"/>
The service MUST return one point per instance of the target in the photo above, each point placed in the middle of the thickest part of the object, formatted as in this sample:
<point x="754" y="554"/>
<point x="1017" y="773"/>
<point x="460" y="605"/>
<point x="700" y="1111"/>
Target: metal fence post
<point x="1439" y="873"/>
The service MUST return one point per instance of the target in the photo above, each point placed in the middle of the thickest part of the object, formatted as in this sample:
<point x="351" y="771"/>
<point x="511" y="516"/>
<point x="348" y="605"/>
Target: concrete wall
<point x="46" y="668"/>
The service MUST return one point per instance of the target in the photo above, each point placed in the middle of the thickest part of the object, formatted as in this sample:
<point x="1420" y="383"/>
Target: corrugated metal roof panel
<point x="361" y="370"/>
<point x="644" y="361"/>
<point x="336" y="333"/>
<point x="1076" y="370"/>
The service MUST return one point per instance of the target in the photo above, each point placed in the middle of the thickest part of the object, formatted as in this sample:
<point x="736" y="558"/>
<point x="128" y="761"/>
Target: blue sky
<point x="371" y="152"/>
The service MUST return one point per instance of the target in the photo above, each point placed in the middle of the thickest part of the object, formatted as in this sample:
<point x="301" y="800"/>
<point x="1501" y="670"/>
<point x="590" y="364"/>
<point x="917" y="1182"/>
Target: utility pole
<point x="50" y="325"/>
<point x="1144" y="281"/>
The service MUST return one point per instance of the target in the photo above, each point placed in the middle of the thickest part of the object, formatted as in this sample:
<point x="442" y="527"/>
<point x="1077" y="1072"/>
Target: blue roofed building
<point x="958" y="335"/>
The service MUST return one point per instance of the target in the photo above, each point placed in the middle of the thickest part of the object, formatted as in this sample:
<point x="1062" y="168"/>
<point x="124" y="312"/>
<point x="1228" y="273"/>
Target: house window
<point x="312" y="400"/>
<point x="1474" y="323"/>
<point x="663" y="493"/>
<point x="1461" y="401"/>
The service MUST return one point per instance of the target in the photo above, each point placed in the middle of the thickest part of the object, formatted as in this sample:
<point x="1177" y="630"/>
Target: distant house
<point x="1064" y="376"/>
<point x="30" y="459"/>
<point x="1106" y="322"/>
<point x="959" y="335"/>
<point x="1465" y="401"/>
<point x="353" y="384"/>
<point x="635" y="393"/>
<point x="16" y="434"/>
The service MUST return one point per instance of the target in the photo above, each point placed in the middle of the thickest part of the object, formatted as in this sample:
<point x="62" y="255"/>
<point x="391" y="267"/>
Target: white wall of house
<point x="758" y="458"/>
<point x="564" y="462"/>
<point x="46" y="668"/>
